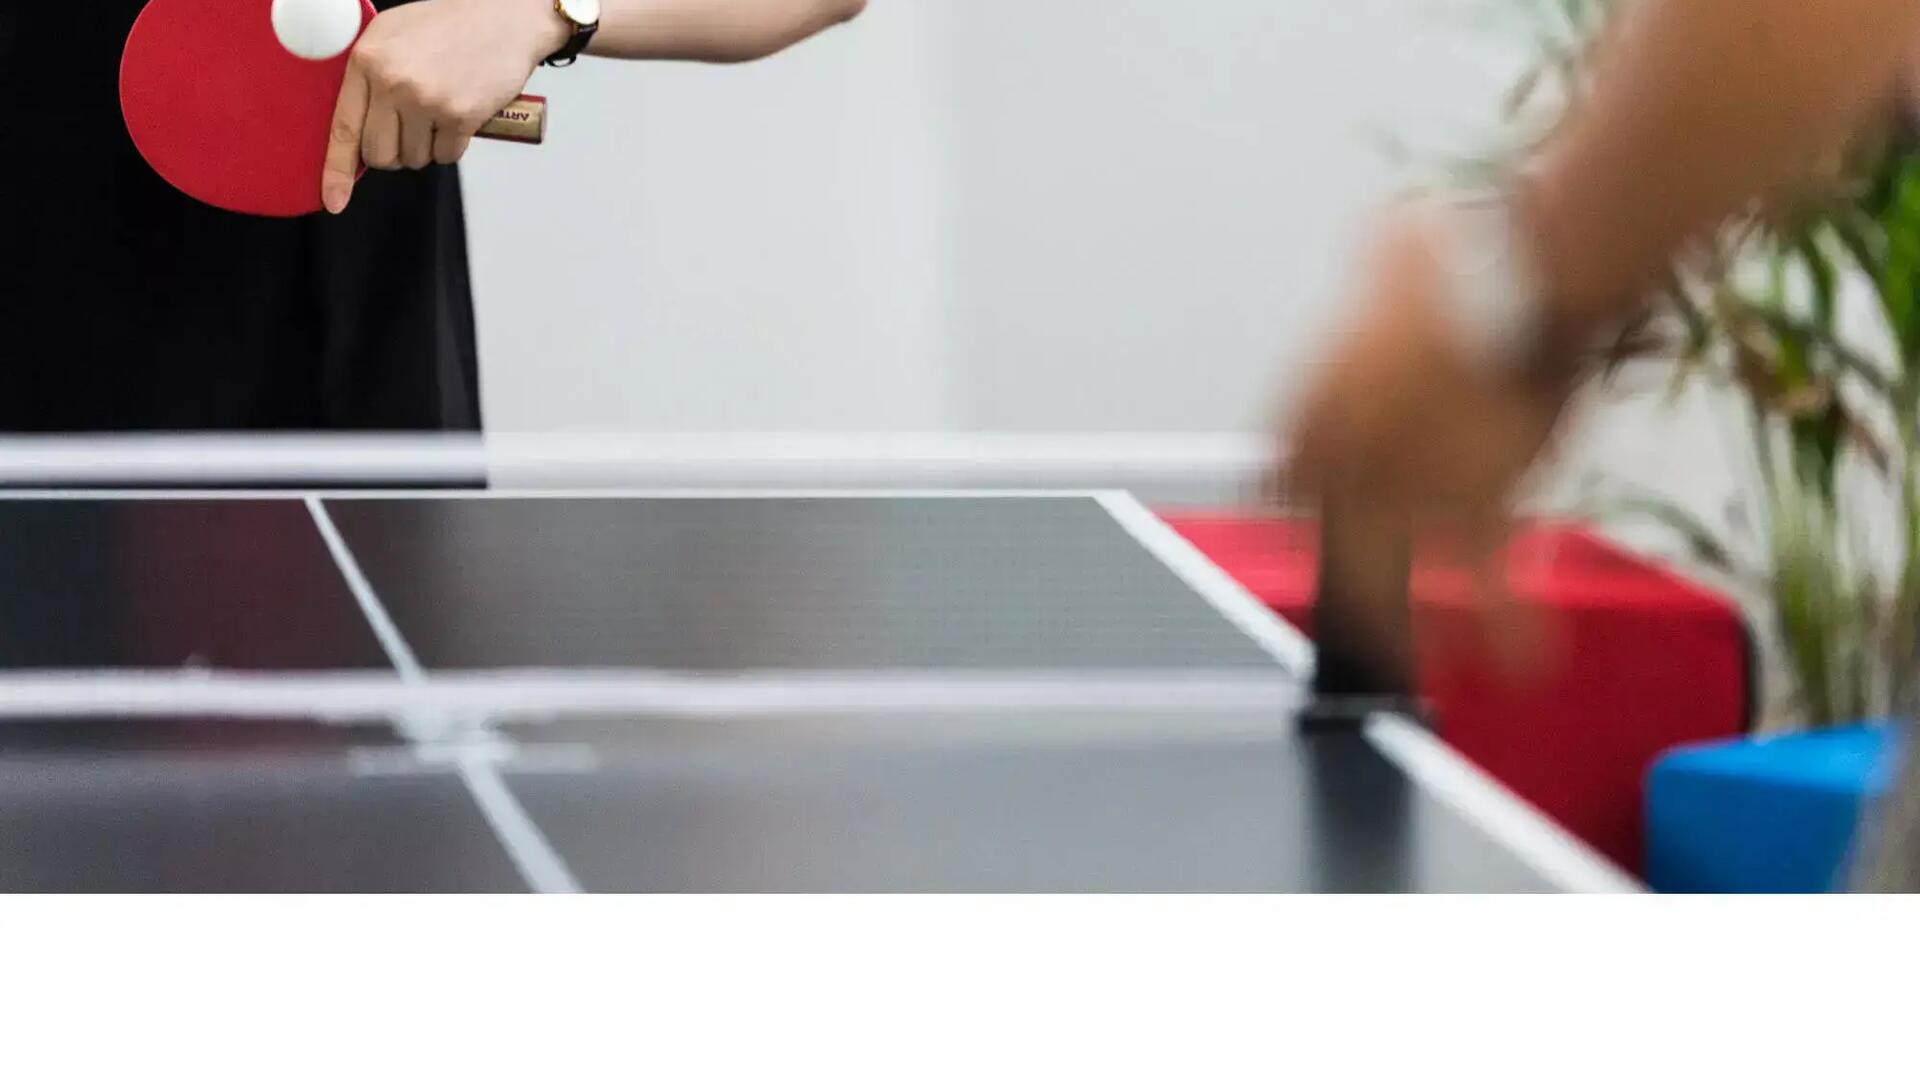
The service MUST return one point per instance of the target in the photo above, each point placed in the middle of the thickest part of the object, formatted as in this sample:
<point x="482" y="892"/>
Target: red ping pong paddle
<point x="220" y="108"/>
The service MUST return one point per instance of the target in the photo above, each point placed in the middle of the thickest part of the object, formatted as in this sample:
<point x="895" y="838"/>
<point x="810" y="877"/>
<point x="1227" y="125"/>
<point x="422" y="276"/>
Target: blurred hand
<point x="426" y="77"/>
<point x="1399" y="427"/>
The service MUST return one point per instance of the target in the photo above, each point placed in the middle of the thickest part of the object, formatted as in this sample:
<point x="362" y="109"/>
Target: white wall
<point x="968" y="214"/>
<point x="741" y="248"/>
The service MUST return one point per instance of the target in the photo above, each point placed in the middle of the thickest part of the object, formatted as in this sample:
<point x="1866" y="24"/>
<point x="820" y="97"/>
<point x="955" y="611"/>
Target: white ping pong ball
<point x="316" y="29"/>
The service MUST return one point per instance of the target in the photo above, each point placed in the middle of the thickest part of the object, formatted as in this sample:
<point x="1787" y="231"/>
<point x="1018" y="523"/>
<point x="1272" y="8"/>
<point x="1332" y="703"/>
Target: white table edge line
<point x="1228" y="597"/>
<point x="1448" y="776"/>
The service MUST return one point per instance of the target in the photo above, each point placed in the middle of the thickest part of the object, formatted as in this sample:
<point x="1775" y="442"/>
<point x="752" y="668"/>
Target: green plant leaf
<point x="1703" y="541"/>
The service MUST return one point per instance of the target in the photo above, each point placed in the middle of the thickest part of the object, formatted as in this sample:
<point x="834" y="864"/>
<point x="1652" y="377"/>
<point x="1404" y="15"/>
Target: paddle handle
<point x="523" y="121"/>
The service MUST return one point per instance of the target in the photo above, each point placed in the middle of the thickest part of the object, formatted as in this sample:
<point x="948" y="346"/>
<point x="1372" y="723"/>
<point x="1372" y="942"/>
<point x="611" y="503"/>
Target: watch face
<point x="584" y="12"/>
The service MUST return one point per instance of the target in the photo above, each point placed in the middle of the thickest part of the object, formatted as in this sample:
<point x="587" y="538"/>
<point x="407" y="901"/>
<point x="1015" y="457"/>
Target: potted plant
<point x="1807" y="312"/>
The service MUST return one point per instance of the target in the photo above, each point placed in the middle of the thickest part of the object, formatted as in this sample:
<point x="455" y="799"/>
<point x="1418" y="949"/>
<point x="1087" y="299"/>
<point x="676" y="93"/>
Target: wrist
<point x="547" y="30"/>
<point x="1577" y="290"/>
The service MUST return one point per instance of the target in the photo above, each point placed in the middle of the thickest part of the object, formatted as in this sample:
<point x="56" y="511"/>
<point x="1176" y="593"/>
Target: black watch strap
<point x="577" y="44"/>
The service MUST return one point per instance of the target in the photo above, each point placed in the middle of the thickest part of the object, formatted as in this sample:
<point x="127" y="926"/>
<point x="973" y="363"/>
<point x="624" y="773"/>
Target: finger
<point x="450" y="145"/>
<point x="416" y="140"/>
<point x="1273" y="488"/>
<point x="343" y="142"/>
<point x="1365" y="564"/>
<point x="1270" y="489"/>
<point x="1516" y="634"/>
<point x="380" y="139"/>
<point x="1312" y="448"/>
<point x="1347" y="433"/>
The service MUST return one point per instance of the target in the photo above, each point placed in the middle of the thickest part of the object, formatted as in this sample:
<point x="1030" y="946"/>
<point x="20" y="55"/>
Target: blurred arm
<point x="1698" y="106"/>
<point x="716" y="31"/>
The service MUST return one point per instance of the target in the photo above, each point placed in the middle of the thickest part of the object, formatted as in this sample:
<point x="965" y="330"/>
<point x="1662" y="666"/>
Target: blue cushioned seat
<point x="1764" y="815"/>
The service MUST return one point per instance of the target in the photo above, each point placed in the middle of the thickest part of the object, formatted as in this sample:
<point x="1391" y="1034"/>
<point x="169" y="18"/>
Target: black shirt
<point x="125" y="305"/>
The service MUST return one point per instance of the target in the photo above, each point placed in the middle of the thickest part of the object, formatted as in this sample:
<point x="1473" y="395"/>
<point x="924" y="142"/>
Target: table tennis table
<point x="479" y="691"/>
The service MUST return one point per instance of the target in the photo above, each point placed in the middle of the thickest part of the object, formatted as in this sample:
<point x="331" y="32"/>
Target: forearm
<point x="1699" y="106"/>
<point x="717" y="31"/>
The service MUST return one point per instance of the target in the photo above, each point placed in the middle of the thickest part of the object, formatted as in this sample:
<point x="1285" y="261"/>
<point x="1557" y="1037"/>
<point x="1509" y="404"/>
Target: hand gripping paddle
<point x="232" y="101"/>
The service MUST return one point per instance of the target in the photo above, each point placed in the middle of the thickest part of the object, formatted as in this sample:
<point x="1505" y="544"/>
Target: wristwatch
<point x="1490" y="279"/>
<point x="584" y="17"/>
